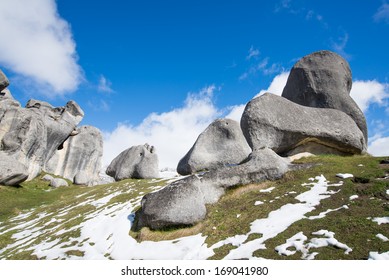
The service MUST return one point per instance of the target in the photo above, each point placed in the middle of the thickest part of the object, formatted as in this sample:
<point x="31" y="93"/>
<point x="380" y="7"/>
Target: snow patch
<point x="381" y="220"/>
<point x="382" y="237"/>
<point x="323" y="214"/>
<point x="268" y="190"/>
<point x="258" y="203"/>
<point x="344" y="175"/>
<point x="378" y="256"/>
<point x="355" y="196"/>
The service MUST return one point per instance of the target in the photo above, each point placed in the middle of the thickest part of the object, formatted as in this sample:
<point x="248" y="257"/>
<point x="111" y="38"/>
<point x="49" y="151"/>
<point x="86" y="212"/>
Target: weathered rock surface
<point x="323" y="80"/>
<point x="12" y="172"/>
<point x="140" y="162"/>
<point x="60" y="122"/>
<point x="58" y="182"/>
<point x="3" y="81"/>
<point x="79" y="155"/>
<point x="47" y="177"/>
<point x="222" y="143"/>
<point x="183" y="202"/>
<point x="277" y="123"/>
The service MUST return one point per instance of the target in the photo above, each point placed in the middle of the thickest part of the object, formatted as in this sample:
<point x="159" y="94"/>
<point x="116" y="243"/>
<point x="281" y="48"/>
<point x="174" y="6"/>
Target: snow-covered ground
<point x="104" y="232"/>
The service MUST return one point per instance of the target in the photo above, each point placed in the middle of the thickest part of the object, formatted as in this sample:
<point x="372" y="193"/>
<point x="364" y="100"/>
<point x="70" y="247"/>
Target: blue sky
<point x="161" y="71"/>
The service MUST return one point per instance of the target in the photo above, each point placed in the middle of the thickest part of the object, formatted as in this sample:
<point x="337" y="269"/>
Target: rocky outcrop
<point x="140" y="162"/>
<point x="222" y="143"/>
<point x="274" y="122"/>
<point x="60" y="122"/>
<point x="12" y="172"/>
<point x="33" y="135"/>
<point x="3" y="81"/>
<point x="323" y="80"/>
<point x="80" y="155"/>
<point x="58" y="182"/>
<point x="184" y="202"/>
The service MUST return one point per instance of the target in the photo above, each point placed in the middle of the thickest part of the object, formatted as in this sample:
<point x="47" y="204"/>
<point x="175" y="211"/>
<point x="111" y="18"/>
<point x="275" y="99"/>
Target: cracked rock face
<point x="323" y="80"/>
<point x="79" y="157"/>
<point x="222" y="143"/>
<point x="139" y="162"/>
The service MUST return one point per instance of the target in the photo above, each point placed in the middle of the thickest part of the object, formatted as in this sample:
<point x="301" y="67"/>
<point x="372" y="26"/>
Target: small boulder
<point x="139" y="162"/>
<point x="323" y="80"/>
<point x="12" y="172"/>
<point x="58" y="182"/>
<point x="277" y="123"/>
<point x="222" y="143"/>
<point x="82" y="178"/>
<point x="47" y="177"/>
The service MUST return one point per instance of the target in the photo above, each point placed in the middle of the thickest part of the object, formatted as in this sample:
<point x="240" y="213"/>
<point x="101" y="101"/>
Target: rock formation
<point x="274" y="122"/>
<point x="32" y="136"/>
<point x="222" y="143"/>
<point x="140" y="162"/>
<point x="79" y="156"/>
<point x="323" y="80"/>
<point x="183" y="202"/>
<point x="316" y="114"/>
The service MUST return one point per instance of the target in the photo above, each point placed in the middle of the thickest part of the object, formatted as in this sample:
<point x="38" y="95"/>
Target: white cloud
<point x="253" y="53"/>
<point x="38" y="45"/>
<point x="379" y="146"/>
<point x="367" y="92"/>
<point x="172" y="133"/>
<point x="383" y="13"/>
<point x="264" y="67"/>
<point x="104" y="85"/>
<point x="277" y="85"/>
<point x="235" y="112"/>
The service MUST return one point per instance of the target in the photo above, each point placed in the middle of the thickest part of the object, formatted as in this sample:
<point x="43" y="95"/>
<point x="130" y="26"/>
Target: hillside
<point x="308" y="214"/>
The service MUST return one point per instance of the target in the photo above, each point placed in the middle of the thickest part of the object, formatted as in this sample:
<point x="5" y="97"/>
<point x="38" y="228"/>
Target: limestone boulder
<point x="221" y="144"/>
<point x="323" y="80"/>
<point x="60" y="122"/>
<point x="12" y="172"/>
<point x="184" y="202"/>
<point x="58" y="182"/>
<point x="275" y="122"/>
<point x="139" y="162"/>
<point x="80" y="155"/>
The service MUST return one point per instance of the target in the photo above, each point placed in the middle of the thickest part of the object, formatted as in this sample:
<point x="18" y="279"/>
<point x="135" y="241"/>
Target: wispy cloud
<point x="340" y="44"/>
<point x="382" y="13"/>
<point x="253" y="53"/>
<point x="99" y="106"/>
<point x="38" y="45"/>
<point x="262" y="66"/>
<point x="104" y="85"/>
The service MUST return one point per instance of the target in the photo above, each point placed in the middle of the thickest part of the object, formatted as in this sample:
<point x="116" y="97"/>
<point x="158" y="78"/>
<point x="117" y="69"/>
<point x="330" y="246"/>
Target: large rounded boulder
<point x="139" y="162"/>
<point x="323" y="80"/>
<point x="271" y="121"/>
<point x="221" y="143"/>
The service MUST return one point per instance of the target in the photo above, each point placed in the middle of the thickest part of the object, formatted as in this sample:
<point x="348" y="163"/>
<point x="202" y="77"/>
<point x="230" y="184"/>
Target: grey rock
<point x="79" y="157"/>
<point x="184" y="202"/>
<point x="47" y="177"/>
<point x="58" y="182"/>
<point x="60" y="122"/>
<point x="323" y="80"/>
<point x="12" y="172"/>
<point x="23" y="136"/>
<point x="140" y="162"/>
<point x="180" y="203"/>
<point x="221" y="143"/>
<point x="277" y="123"/>
<point x="3" y="81"/>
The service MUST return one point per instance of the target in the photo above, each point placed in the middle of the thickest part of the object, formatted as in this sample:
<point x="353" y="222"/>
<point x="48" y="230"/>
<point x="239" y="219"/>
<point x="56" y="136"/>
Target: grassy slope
<point x="351" y="226"/>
